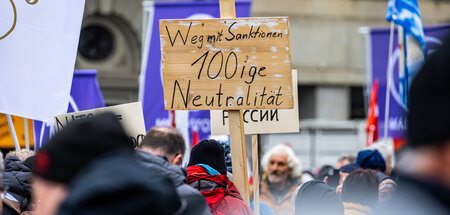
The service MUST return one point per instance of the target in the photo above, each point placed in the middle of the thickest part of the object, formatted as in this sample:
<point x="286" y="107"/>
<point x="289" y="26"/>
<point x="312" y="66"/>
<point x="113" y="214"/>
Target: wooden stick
<point x="227" y="9"/>
<point x="27" y="138"/>
<point x="255" y="173"/>
<point x="238" y="153"/>
<point x="236" y="125"/>
<point x="13" y="132"/>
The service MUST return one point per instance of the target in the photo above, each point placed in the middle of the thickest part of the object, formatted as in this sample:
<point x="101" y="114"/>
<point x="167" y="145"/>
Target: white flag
<point x="38" y="46"/>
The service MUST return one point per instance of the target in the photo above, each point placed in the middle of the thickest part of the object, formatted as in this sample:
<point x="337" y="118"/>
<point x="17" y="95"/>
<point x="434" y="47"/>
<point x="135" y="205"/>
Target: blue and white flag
<point x="406" y="14"/>
<point x="151" y="89"/>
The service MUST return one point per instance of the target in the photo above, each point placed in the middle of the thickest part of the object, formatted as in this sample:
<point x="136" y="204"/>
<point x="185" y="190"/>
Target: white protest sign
<point x="38" y="47"/>
<point x="261" y="121"/>
<point x="130" y="115"/>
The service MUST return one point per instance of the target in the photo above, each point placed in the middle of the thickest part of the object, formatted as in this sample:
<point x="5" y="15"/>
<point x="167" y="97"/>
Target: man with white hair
<point x="282" y="169"/>
<point x="386" y="152"/>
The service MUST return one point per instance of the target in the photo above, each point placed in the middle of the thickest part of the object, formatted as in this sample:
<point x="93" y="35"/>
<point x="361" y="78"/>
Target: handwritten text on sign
<point x="130" y="115"/>
<point x="226" y="63"/>
<point x="261" y="121"/>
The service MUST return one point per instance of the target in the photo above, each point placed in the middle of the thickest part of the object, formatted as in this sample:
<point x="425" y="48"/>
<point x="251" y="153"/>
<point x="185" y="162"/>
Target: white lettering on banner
<point x="201" y="123"/>
<point x="397" y="123"/>
<point x="162" y="122"/>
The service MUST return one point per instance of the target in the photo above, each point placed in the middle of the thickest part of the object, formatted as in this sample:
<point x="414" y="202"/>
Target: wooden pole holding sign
<point x="255" y="173"/>
<point x="227" y="9"/>
<point x="238" y="154"/>
<point x="236" y="126"/>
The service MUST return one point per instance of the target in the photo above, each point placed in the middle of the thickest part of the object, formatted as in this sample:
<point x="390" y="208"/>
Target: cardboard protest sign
<point x="226" y="64"/>
<point x="261" y="121"/>
<point x="6" y="139"/>
<point x="130" y="115"/>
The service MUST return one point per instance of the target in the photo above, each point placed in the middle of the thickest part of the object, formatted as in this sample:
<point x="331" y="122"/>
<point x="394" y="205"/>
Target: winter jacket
<point x="16" y="183"/>
<point x="115" y="184"/>
<point x="351" y="208"/>
<point x="280" y="205"/>
<point x="196" y="204"/>
<point x="220" y="193"/>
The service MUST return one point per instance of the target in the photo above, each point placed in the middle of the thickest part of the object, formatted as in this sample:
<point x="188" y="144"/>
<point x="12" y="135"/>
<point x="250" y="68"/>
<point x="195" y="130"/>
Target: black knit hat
<point x="429" y="110"/>
<point x="79" y="143"/>
<point x="211" y="153"/>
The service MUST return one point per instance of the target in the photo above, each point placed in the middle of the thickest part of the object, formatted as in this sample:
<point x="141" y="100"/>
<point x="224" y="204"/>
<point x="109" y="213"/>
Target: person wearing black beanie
<point x="209" y="152"/>
<point x="71" y="150"/>
<point x="207" y="172"/>
<point x="424" y="173"/>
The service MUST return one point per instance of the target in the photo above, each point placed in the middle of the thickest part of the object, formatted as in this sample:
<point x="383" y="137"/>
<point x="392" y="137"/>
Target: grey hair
<point x="293" y="161"/>
<point x="22" y="154"/>
<point x="384" y="150"/>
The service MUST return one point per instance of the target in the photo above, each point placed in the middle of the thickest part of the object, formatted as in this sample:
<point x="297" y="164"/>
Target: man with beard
<point x="283" y="171"/>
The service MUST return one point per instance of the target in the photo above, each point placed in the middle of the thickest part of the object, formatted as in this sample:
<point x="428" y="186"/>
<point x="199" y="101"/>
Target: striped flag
<point x="372" y="117"/>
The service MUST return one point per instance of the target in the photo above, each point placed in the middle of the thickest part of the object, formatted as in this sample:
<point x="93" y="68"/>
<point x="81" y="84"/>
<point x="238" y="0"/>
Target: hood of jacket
<point x="16" y="179"/>
<point x="159" y="166"/>
<point x="213" y="187"/>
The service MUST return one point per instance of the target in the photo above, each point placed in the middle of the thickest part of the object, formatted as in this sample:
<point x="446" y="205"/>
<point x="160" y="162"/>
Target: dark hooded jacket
<point x="196" y="203"/>
<point x="315" y="197"/>
<point x="116" y="185"/>
<point x="16" y="181"/>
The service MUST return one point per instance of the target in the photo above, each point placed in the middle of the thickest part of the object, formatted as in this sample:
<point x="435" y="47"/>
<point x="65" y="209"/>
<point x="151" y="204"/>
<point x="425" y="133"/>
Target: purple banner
<point x="152" y="96"/>
<point x="379" y="46"/>
<point x="85" y="94"/>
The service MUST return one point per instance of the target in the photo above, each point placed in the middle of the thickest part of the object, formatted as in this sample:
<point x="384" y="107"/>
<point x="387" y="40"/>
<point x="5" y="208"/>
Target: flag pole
<point x="13" y="132"/>
<point x="388" y="78"/>
<point x="27" y="138"/>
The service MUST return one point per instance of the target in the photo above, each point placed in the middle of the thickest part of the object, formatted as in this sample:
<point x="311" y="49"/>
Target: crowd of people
<point x="92" y="167"/>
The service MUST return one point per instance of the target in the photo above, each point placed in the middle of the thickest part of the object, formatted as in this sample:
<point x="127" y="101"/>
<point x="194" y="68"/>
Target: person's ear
<point x="177" y="159"/>
<point x="325" y="179"/>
